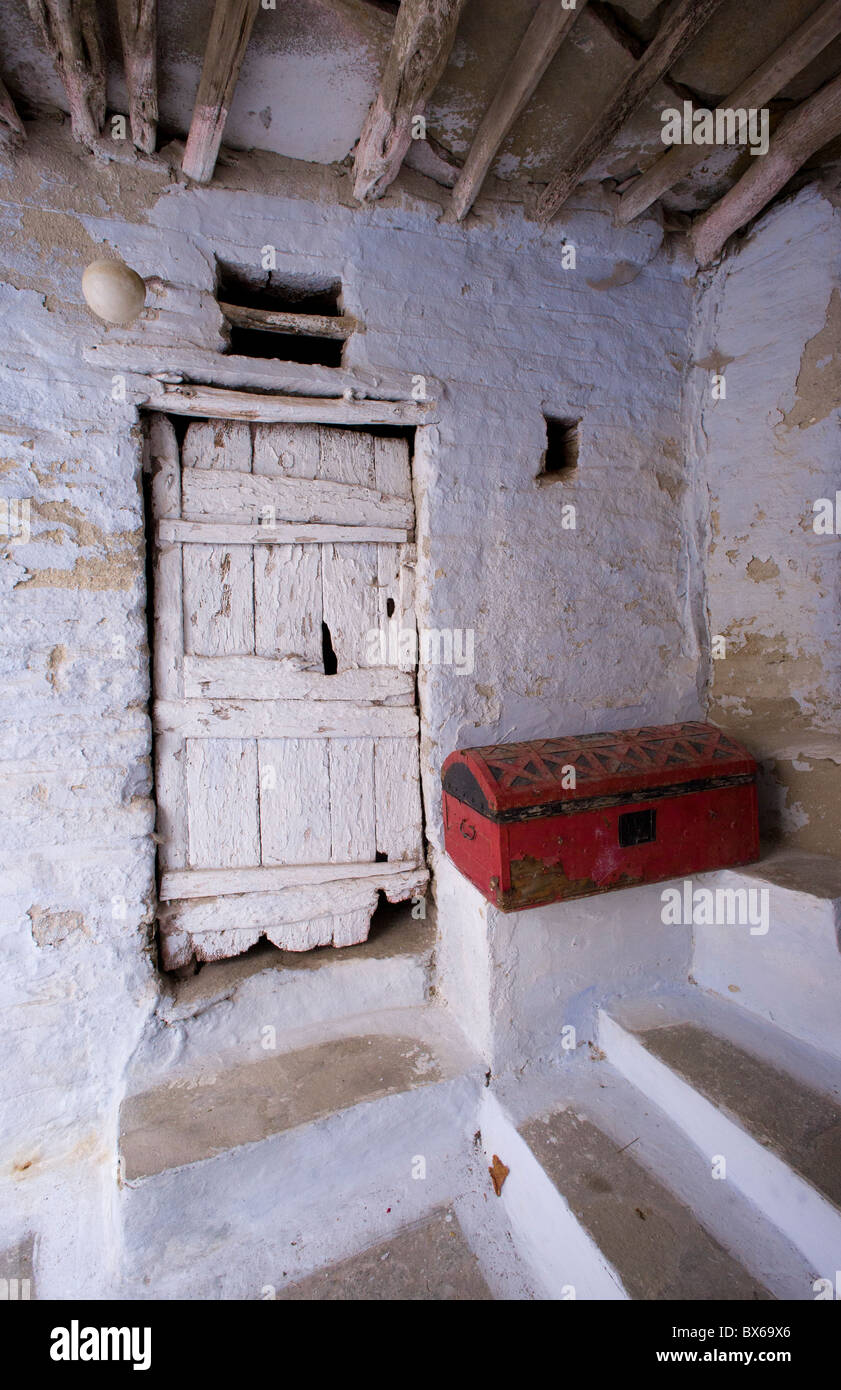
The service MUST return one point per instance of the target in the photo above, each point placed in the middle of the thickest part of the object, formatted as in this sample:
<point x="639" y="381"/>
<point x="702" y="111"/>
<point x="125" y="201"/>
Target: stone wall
<point x="770" y="324"/>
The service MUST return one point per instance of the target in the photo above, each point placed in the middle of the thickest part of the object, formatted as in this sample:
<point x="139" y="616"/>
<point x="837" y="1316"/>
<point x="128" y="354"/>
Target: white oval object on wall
<point x="114" y="291"/>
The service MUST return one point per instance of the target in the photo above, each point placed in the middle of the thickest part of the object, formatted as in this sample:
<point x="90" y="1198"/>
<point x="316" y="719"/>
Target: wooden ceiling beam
<point x="69" y="30"/>
<point x="230" y="30"/>
<point x="138" y="33"/>
<point x="543" y="38"/>
<point x="424" y="33"/>
<point x="800" y="134"/>
<point x="755" y="92"/>
<point x="683" y="22"/>
<point x="11" y="125"/>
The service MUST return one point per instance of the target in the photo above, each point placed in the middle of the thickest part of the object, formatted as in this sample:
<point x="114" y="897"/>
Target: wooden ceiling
<point x="658" y="43"/>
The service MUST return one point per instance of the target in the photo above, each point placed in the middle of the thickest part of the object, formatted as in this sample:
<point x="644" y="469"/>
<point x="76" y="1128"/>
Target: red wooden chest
<point x="556" y="818"/>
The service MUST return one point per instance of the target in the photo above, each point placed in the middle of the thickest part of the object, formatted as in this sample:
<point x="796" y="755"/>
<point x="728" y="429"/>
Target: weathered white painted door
<point x="288" y="792"/>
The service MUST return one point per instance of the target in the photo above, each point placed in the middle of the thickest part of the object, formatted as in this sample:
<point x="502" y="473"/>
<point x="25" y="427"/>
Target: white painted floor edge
<point x="728" y="1018"/>
<point x="174" y="1056"/>
<point x="804" y="874"/>
<point x="484" y="1222"/>
<point x="798" y="1210"/>
<point x="566" y="1262"/>
<point x="272" y="1212"/>
<point x="303" y="1232"/>
<point x="272" y="1003"/>
<point x="790" y="973"/>
<point x="326" y="976"/>
<point x="600" y="1093"/>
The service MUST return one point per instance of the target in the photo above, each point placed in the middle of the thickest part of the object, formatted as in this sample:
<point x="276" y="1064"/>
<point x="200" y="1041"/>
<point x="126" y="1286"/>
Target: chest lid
<point x="510" y="781"/>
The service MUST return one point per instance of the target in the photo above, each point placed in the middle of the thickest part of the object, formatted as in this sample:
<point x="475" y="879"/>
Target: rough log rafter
<point x="756" y="91"/>
<point x="543" y="38"/>
<point x="684" y="20"/>
<point x="70" y="32"/>
<point x="217" y="403"/>
<point x="798" y="136"/>
<point x="279" y="321"/>
<point x="138" y="33"/>
<point x="230" y="30"/>
<point x="424" y="33"/>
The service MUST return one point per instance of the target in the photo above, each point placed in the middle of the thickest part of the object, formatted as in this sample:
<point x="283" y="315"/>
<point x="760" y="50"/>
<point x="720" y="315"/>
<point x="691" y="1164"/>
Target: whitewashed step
<point x="746" y="1093"/>
<point x="243" y="1181"/>
<point x="607" y="1197"/>
<point x="791" y="974"/>
<point x="430" y="1261"/>
<point x="238" y="1010"/>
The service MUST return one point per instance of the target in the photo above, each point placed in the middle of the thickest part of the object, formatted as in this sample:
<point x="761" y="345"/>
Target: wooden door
<point x="286" y="750"/>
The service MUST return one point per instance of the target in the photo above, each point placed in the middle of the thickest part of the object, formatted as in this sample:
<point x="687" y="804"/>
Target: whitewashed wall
<point x="574" y="630"/>
<point x="770" y="323"/>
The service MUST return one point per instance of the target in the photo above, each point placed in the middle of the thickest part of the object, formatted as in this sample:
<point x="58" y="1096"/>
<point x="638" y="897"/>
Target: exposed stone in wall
<point x="819" y="378"/>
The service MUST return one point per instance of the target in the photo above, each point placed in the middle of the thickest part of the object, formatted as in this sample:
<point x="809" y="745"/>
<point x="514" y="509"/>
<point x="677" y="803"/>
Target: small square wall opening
<point x="560" y="457"/>
<point x="308" y="324"/>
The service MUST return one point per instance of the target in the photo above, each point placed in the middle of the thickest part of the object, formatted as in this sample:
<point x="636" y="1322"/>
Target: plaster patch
<point x="758" y="570"/>
<point x="55" y="662"/>
<point x="819" y="378"/>
<point x="50" y="928"/>
<point x="674" y="487"/>
<point x="119" y="568"/>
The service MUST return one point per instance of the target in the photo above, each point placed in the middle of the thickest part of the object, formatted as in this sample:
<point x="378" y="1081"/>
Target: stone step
<point x="745" y="1093"/>
<point x="269" y="1169"/>
<point x="429" y="1261"/>
<point x="791" y="973"/>
<point x="654" y="1242"/>
<point x="233" y="1011"/>
<point x="187" y="1120"/>
<point x="607" y="1197"/>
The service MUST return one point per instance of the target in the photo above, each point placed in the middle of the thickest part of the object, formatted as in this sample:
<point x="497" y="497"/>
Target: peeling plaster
<point x="819" y="377"/>
<point x="771" y="582"/>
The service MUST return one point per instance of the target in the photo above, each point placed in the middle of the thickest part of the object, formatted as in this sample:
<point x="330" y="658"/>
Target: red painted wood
<point x="521" y="856"/>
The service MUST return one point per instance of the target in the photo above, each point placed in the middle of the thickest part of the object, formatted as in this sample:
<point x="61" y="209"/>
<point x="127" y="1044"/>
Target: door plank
<point x="168" y="643"/>
<point x="253" y="497"/>
<point x="283" y="719"/>
<point x="352" y="818"/>
<point x="171" y="801"/>
<point x="265" y="678"/>
<point x="397" y="798"/>
<point x="408" y="654"/>
<point x="391" y="466"/>
<point x="346" y="457"/>
<point x="286" y="451"/>
<point x="210" y="883"/>
<point x="265" y="912"/>
<point x="218" y="444"/>
<point x="351" y="602"/>
<point x="218" y="600"/>
<point x="222" y="803"/>
<point x="296" y="533"/>
<point x="288" y="602"/>
<point x="294" y="801"/>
